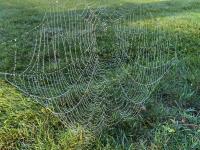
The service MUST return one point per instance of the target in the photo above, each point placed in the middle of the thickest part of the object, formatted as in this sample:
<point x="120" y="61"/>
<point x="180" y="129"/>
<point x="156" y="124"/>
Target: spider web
<point x="91" y="64"/>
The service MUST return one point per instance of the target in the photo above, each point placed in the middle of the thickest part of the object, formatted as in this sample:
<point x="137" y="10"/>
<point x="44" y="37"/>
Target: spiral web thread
<point x="67" y="67"/>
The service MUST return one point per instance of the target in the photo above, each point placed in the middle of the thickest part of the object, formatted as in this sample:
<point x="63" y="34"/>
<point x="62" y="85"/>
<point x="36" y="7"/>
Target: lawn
<point x="170" y="118"/>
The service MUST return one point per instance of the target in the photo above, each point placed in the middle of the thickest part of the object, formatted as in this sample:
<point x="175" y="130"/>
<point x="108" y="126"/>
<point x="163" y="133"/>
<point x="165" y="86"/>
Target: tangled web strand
<point x="90" y="67"/>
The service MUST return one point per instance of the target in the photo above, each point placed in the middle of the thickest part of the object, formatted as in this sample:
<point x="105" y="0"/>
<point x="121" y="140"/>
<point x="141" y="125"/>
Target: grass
<point x="173" y="124"/>
<point x="27" y="125"/>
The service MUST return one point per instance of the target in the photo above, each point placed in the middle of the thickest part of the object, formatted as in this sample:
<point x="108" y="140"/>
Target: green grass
<point x="172" y="125"/>
<point x="27" y="125"/>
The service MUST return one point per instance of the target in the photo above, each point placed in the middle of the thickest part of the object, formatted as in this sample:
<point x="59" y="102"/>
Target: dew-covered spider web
<point x="90" y="63"/>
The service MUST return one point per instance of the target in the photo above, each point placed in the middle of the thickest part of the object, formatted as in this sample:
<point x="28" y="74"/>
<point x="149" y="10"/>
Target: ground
<point x="173" y="124"/>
